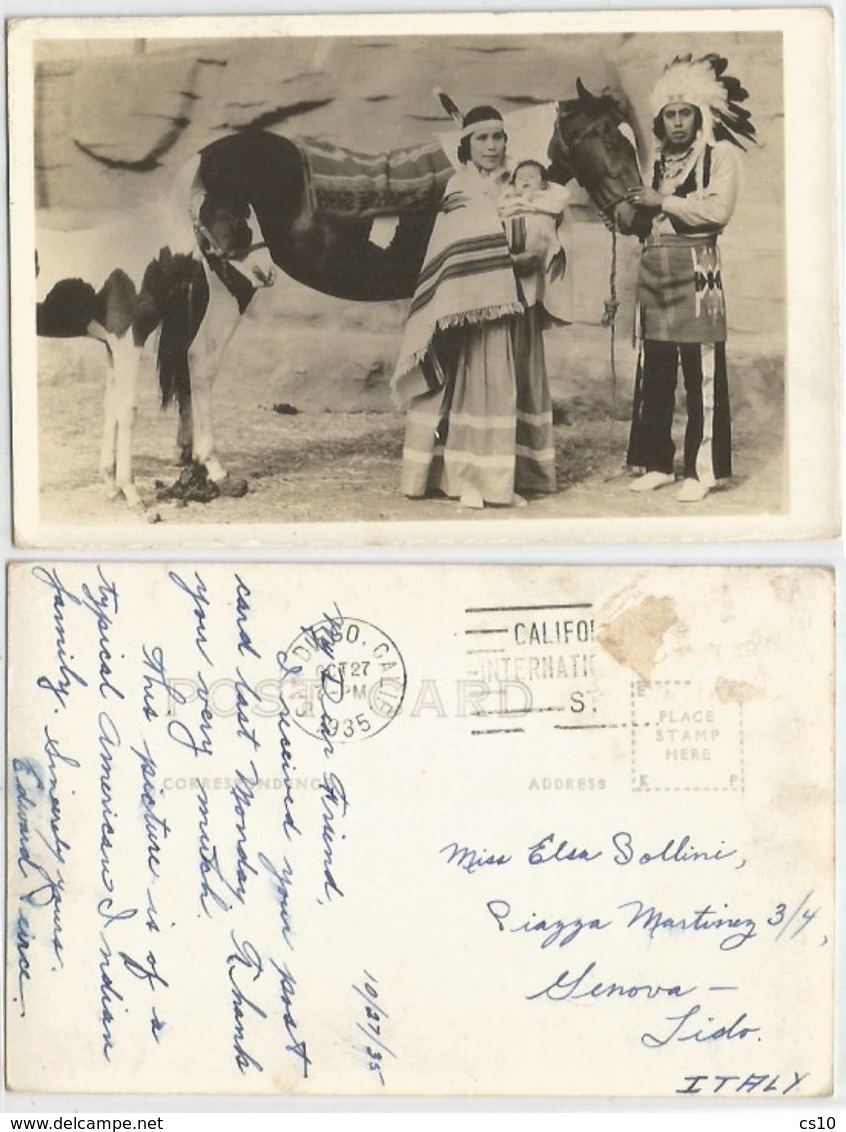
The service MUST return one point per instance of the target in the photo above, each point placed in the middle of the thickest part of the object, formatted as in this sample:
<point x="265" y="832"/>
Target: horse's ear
<point x="583" y="93"/>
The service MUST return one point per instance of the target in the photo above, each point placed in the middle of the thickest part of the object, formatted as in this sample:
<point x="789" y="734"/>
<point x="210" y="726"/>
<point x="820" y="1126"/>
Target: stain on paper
<point x="635" y="636"/>
<point x="736" y="691"/>
<point x="786" y="587"/>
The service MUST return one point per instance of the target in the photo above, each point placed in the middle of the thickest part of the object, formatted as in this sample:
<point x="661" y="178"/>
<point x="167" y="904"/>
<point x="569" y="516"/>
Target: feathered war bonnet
<point x="703" y="83"/>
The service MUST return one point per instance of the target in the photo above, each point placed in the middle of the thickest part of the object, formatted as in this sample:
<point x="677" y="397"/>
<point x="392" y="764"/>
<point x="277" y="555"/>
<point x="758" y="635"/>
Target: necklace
<point x="671" y="162"/>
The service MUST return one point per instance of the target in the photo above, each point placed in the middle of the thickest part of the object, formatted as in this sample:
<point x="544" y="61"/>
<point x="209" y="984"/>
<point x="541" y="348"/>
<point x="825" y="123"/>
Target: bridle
<point x="592" y="127"/>
<point x="214" y="249"/>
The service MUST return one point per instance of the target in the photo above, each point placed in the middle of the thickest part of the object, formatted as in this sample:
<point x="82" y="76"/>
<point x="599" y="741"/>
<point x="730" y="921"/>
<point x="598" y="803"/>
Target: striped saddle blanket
<point x="341" y="182"/>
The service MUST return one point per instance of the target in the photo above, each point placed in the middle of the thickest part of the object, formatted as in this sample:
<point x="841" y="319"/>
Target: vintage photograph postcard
<point x="434" y="279"/>
<point x="271" y="832"/>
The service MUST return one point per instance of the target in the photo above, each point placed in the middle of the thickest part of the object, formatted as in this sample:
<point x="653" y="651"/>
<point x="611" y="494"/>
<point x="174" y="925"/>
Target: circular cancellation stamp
<point x="345" y="681"/>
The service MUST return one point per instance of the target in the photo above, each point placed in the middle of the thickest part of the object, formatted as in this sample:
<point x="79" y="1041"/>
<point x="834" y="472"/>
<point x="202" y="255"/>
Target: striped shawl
<point x="467" y="277"/>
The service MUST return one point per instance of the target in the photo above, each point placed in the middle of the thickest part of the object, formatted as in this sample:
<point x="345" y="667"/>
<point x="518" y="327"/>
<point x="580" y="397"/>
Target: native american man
<point x="699" y="128"/>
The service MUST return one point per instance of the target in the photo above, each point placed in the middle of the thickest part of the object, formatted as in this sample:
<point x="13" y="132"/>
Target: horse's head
<point x="589" y="144"/>
<point x="231" y="232"/>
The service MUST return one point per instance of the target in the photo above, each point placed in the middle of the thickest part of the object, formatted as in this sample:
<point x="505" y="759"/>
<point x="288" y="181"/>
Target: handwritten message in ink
<point x="253" y="851"/>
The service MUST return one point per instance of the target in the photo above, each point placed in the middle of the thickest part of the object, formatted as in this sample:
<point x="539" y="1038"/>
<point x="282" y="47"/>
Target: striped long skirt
<point x="489" y="429"/>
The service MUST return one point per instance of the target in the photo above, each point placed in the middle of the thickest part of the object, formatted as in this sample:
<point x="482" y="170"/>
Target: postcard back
<point x="501" y="830"/>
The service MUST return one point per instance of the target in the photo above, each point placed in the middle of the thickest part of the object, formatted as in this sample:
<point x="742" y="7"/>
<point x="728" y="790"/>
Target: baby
<point x="533" y="211"/>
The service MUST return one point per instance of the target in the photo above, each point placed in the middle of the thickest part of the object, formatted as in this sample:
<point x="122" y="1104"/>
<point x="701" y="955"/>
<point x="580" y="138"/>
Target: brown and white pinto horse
<point x="117" y="315"/>
<point x="123" y="294"/>
<point x="258" y="176"/>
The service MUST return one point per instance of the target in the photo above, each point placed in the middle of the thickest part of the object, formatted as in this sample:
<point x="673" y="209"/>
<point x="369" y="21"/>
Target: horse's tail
<point x="181" y="295"/>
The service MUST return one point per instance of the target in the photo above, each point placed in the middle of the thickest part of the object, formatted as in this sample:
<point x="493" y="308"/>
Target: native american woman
<point x="472" y="370"/>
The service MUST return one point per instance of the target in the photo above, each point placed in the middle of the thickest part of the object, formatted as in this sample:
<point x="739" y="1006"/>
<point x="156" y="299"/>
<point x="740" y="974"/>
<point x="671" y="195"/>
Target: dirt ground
<point x="318" y="465"/>
<point x="338" y="456"/>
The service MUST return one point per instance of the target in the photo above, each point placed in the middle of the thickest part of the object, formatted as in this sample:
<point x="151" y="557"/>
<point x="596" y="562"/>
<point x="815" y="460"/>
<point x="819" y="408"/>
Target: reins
<point x="609" y="316"/>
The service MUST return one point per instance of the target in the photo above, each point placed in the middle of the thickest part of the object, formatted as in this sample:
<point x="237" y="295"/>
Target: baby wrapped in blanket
<point x="534" y="213"/>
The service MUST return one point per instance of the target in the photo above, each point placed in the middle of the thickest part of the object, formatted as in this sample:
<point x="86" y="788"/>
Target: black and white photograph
<point x="378" y="285"/>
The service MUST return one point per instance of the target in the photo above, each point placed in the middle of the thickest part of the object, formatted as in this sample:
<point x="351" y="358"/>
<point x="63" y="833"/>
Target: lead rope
<point x="609" y="318"/>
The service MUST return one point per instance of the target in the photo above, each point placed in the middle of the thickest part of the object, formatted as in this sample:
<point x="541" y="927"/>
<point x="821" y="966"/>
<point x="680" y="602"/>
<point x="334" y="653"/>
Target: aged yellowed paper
<point x="411" y="830"/>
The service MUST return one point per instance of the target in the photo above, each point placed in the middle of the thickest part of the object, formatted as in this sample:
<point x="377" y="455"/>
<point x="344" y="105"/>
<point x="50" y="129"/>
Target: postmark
<point x="533" y="663"/>
<point x="539" y="669"/>
<point x="347" y="679"/>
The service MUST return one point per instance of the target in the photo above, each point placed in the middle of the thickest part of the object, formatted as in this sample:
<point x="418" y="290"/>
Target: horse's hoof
<point x="232" y="486"/>
<point x="153" y="517"/>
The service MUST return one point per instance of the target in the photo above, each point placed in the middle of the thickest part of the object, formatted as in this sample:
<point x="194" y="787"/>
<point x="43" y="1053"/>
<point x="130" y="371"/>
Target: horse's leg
<point x="204" y="356"/>
<point x="127" y="357"/>
<point x="108" y="448"/>
<point x="185" y="432"/>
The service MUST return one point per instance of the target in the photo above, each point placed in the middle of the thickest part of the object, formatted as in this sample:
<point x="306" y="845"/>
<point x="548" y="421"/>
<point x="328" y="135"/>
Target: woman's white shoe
<point x="472" y="498"/>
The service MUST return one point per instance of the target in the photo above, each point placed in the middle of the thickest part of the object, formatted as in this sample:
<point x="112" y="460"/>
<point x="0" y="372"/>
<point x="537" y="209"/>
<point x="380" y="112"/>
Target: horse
<point x="264" y="176"/>
<point x="601" y="158"/>
<point x="124" y="296"/>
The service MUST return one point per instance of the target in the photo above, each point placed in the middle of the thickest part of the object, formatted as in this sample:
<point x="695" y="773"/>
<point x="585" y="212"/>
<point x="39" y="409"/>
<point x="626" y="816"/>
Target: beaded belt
<point x="673" y="240"/>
